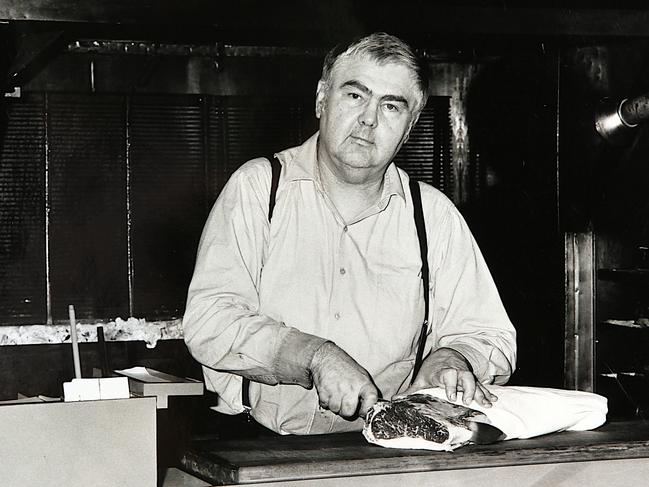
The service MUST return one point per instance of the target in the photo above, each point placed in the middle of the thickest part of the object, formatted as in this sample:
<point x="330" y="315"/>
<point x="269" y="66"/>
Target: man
<point x="321" y="308"/>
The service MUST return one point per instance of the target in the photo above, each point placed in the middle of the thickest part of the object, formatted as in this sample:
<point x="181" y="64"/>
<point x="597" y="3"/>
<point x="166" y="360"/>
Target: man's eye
<point x="354" y="96"/>
<point x="391" y="108"/>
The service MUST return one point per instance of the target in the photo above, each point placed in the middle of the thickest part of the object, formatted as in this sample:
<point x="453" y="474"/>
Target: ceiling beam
<point x="112" y="12"/>
<point x="320" y="18"/>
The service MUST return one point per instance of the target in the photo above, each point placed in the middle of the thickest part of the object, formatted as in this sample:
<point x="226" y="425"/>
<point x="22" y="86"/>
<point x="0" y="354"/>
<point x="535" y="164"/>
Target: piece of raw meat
<point x="420" y="421"/>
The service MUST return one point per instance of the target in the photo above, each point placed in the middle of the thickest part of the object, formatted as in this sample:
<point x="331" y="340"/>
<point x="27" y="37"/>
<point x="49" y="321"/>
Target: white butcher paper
<point x="525" y="412"/>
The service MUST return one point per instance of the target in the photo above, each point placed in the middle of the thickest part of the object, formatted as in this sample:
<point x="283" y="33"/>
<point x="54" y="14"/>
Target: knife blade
<point x="485" y="433"/>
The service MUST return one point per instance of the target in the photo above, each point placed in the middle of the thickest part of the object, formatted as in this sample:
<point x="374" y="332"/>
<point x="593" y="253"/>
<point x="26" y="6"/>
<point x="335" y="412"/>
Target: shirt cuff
<point x="294" y="356"/>
<point x="475" y="359"/>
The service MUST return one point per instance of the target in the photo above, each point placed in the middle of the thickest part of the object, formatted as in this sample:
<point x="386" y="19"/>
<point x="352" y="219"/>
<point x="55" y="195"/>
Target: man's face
<point x="365" y="115"/>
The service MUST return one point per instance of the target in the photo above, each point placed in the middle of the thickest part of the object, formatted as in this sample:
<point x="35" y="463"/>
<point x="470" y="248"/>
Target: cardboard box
<point x="105" y="443"/>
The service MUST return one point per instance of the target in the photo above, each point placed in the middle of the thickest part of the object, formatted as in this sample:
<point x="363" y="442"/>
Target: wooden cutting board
<point x="282" y="458"/>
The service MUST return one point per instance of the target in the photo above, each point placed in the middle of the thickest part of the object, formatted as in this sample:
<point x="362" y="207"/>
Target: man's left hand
<point x="449" y="369"/>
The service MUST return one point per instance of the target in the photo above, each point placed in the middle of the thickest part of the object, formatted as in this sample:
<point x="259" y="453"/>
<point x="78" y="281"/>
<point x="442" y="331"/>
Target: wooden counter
<point x="287" y="458"/>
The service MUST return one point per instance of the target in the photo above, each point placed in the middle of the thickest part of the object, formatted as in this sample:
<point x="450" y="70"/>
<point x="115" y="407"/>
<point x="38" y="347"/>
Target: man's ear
<point x="410" y="126"/>
<point x="320" y="96"/>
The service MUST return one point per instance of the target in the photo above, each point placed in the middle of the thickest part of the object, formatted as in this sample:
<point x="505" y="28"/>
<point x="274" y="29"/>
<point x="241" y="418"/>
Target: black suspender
<point x="276" y="169"/>
<point x="425" y="278"/>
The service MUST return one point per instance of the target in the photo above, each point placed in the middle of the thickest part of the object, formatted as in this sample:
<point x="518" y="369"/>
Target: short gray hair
<point x="381" y="48"/>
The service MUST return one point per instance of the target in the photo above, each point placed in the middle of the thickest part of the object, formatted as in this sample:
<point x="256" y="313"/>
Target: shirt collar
<point x="299" y="163"/>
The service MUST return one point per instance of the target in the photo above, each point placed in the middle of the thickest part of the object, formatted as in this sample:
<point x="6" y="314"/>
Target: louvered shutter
<point x="426" y="155"/>
<point x="87" y="187"/>
<point x="215" y="146"/>
<point x="22" y="212"/>
<point x="167" y="195"/>
<point x="252" y="127"/>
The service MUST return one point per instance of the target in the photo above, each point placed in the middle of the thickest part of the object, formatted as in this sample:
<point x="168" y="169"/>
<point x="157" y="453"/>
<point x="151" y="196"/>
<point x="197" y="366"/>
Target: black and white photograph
<point x="324" y="243"/>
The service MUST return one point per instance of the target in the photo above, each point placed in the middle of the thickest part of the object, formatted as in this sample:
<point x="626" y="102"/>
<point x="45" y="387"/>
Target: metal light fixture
<point x="615" y="121"/>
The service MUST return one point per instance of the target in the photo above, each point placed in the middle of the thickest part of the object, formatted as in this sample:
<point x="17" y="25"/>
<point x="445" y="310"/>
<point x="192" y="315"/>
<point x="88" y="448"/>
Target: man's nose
<point x="368" y="115"/>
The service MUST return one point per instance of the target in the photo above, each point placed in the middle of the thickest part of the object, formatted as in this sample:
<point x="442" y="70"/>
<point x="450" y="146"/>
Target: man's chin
<point x="359" y="172"/>
<point x="358" y="160"/>
<point x="358" y="166"/>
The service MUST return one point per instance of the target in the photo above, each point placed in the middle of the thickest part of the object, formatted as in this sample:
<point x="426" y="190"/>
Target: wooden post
<point x="579" y="351"/>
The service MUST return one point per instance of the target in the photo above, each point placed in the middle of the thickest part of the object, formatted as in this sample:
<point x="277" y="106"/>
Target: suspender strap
<point x="276" y="169"/>
<point x="425" y="278"/>
<point x="245" y="393"/>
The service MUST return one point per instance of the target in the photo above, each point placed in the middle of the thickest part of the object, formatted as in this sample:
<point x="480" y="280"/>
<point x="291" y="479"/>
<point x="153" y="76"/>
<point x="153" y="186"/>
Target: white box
<point x="96" y="388"/>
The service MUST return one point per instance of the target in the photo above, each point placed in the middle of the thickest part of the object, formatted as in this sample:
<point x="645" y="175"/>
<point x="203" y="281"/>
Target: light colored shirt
<point x="264" y="298"/>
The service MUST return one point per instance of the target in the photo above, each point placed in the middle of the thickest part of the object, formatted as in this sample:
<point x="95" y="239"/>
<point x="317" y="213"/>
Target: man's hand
<point x="342" y="384"/>
<point x="449" y="369"/>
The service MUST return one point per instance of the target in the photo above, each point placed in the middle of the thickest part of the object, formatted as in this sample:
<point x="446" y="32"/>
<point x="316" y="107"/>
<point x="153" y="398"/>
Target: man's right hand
<point x="343" y="386"/>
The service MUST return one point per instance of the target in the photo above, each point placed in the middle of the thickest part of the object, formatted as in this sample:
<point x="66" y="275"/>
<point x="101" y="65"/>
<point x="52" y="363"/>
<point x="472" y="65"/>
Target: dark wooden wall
<point x="603" y="195"/>
<point x="512" y="118"/>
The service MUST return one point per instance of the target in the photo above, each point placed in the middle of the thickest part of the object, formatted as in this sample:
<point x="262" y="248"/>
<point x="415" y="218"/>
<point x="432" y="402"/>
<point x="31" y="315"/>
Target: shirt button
<point x="345" y="228"/>
<point x="342" y="270"/>
<point x="337" y="316"/>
